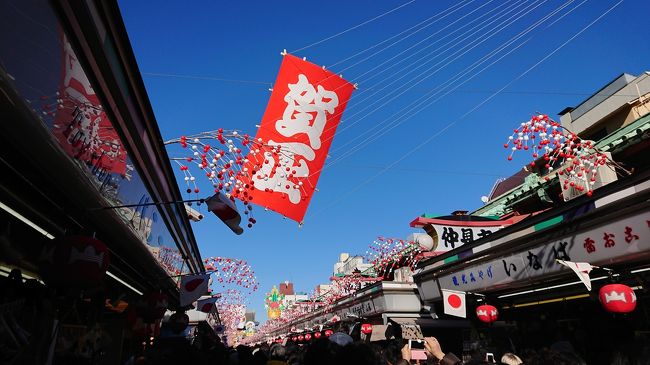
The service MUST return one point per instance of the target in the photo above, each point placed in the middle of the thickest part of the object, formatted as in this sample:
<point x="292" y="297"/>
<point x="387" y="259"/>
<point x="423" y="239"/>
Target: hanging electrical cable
<point x="476" y="107"/>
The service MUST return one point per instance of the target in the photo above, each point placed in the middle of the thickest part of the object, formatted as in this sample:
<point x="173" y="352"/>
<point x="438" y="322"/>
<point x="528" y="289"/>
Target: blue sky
<point x="360" y="198"/>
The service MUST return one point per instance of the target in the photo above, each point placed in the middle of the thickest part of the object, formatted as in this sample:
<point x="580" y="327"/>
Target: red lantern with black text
<point x="294" y="338"/>
<point x="617" y="298"/>
<point x="300" y="338"/>
<point x="487" y="313"/>
<point x="317" y="335"/>
<point x="366" y="328"/>
<point x="279" y="340"/>
<point x="308" y="337"/>
<point x="74" y="261"/>
<point x="328" y="333"/>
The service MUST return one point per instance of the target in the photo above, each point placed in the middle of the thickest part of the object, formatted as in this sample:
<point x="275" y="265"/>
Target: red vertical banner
<point x="298" y="127"/>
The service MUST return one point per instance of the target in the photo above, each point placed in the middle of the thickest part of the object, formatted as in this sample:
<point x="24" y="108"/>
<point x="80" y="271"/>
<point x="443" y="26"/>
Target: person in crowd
<point x="511" y="359"/>
<point x="172" y="347"/>
<point x="358" y="353"/>
<point x="260" y="356"/>
<point x="277" y="355"/>
<point x="432" y="347"/>
<point x="321" y="352"/>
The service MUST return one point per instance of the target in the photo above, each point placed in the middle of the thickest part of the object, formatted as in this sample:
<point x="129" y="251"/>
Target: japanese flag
<point x="454" y="303"/>
<point x="193" y="287"/>
<point x="207" y="305"/>
<point x="582" y="269"/>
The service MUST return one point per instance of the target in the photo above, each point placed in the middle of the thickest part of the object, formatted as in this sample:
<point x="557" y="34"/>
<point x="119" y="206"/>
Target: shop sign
<point x="611" y="242"/>
<point x="450" y="237"/>
<point x="362" y="309"/>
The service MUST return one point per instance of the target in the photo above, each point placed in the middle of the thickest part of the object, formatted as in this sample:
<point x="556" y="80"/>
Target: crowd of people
<point x="341" y="349"/>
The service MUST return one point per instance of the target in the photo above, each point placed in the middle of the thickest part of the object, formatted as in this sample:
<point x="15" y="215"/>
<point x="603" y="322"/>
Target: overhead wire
<point x="457" y="42"/>
<point x="385" y="48"/>
<point x="420" y="78"/>
<point x="367" y="97"/>
<point x="466" y="2"/>
<point x="352" y="28"/>
<point x="479" y="105"/>
<point x="424" y="75"/>
<point x="452" y="81"/>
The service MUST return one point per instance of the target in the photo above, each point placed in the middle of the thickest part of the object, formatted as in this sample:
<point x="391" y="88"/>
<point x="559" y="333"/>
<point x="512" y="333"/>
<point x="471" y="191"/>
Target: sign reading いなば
<point x="300" y="120"/>
<point x="605" y="243"/>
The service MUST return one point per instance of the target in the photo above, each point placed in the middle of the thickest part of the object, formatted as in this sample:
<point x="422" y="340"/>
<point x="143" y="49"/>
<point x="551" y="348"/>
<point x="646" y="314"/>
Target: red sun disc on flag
<point x="454" y="301"/>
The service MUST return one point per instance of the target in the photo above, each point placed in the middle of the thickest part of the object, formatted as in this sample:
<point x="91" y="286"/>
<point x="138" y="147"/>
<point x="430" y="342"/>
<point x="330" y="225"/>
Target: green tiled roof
<point x="624" y="136"/>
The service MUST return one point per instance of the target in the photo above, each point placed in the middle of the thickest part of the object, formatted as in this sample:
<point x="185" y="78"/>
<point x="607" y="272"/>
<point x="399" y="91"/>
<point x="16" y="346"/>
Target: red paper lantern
<point x="74" y="261"/>
<point x="279" y="340"/>
<point x="328" y="333"/>
<point x="317" y="335"/>
<point x="308" y="337"/>
<point x="294" y="338"/>
<point x="487" y="313"/>
<point x="152" y="306"/>
<point x="300" y="338"/>
<point x="617" y="298"/>
<point x="366" y="328"/>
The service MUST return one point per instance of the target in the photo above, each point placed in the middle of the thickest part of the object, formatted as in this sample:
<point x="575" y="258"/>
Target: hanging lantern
<point x="487" y="313"/>
<point x="152" y="307"/>
<point x="74" y="261"/>
<point x="366" y="328"/>
<point x="328" y="333"/>
<point x="279" y="340"/>
<point x="294" y="338"/>
<point x="317" y="335"/>
<point x="301" y="338"/>
<point x="617" y="298"/>
<point x="308" y="337"/>
<point x="178" y="322"/>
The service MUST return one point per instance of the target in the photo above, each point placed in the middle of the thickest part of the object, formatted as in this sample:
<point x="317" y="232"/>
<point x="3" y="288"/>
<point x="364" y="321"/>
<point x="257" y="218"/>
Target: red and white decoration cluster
<point x="171" y="259"/>
<point x="279" y="167"/>
<point x="232" y="273"/>
<point x="388" y="254"/>
<point x="577" y="160"/>
<point x="221" y="156"/>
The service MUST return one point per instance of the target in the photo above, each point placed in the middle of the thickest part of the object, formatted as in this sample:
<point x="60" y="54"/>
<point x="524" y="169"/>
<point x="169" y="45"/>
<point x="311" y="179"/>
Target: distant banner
<point x="300" y="120"/>
<point x="81" y="125"/>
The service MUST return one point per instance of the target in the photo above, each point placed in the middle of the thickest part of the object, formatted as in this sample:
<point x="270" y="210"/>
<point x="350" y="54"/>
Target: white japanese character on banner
<point x="305" y="111"/>
<point x="291" y="166"/>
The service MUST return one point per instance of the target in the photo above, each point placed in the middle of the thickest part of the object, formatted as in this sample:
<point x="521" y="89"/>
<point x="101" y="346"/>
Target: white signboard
<point x="450" y="237"/>
<point x="605" y="244"/>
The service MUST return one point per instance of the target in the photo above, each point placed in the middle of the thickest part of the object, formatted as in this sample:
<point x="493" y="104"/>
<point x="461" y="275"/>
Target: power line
<point x="429" y="171"/>
<point x="210" y="78"/>
<point x="420" y="79"/>
<point x="458" y="5"/>
<point x="429" y="139"/>
<point x="353" y="28"/>
<point x="416" y="89"/>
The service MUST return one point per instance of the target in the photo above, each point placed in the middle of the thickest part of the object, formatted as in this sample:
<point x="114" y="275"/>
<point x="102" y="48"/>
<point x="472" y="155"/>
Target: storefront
<point x="542" y="302"/>
<point x="381" y="305"/>
<point x="78" y="137"/>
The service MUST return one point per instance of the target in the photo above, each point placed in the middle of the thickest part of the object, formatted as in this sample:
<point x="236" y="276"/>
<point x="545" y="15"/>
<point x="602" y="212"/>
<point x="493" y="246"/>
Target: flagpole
<point x="196" y="273"/>
<point x="594" y="266"/>
<point x="149" y="204"/>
